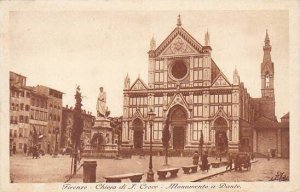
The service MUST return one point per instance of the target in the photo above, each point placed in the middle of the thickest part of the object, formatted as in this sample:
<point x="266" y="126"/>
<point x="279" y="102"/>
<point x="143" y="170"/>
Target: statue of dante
<point x="101" y="102"/>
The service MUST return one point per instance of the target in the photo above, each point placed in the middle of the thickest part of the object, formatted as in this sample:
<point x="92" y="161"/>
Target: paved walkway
<point x="181" y="177"/>
<point x="198" y="176"/>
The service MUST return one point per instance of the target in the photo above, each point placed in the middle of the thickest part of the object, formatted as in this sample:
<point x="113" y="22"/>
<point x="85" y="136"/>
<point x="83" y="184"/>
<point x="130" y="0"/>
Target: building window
<point x="26" y="119"/>
<point x="267" y="80"/>
<point x="22" y="106"/>
<point x="159" y="65"/>
<point x="157" y="131"/>
<point x="158" y="111"/>
<point x="225" y="98"/>
<point x="16" y="120"/>
<point x="159" y="77"/>
<point x="21" y="119"/>
<point x="11" y="119"/>
<point x="179" y="69"/>
<point x="27" y="94"/>
<point x="205" y="74"/>
<point x="158" y="100"/>
<point x="198" y="111"/>
<point x="216" y="99"/>
<point x="20" y="132"/>
<point x="196" y="75"/>
<point x="197" y="127"/>
<point x="212" y="98"/>
<point x="27" y="108"/>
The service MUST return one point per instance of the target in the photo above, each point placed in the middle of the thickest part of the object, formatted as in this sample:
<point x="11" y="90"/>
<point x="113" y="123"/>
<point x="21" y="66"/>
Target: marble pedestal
<point x="105" y="149"/>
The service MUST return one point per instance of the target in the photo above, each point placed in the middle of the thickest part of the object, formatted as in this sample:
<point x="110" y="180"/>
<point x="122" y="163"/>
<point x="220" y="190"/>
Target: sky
<point x="62" y="49"/>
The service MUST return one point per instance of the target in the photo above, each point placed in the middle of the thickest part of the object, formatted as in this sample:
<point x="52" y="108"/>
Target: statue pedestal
<point x="102" y="137"/>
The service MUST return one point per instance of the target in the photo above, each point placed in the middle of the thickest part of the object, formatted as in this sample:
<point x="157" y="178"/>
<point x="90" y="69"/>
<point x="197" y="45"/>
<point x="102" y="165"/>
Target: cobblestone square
<point x="48" y="169"/>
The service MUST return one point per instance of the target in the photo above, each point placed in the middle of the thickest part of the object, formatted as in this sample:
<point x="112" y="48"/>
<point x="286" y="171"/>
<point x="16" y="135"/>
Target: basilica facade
<point x="187" y="86"/>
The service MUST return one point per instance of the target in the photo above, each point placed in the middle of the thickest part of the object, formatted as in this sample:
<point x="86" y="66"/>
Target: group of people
<point x="231" y="158"/>
<point x="35" y="152"/>
<point x="204" y="160"/>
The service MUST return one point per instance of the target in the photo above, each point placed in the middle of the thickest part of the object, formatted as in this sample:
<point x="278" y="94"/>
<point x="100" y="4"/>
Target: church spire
<point x="152" y="44"/>
<point x="207" y="40"/>
<point x="179" y="21"/>
<point x="267" y="48"/>
<point x="127" y="82"/>
<point x="236" y="77"/>
<point x="267" y="39"/>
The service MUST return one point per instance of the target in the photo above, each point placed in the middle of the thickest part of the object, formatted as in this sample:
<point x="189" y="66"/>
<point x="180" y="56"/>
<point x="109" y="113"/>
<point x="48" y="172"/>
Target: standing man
<point x="229" y="162"/>
<point x="196" y="158"/>
<point x="14" y="148"/>
<point x="25" y="149"/>
<point x="101" y="103"/>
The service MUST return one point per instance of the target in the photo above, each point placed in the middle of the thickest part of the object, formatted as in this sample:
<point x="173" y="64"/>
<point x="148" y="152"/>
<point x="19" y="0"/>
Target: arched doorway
<point x="178" y="121"/>
<point x="221" y="139"/>
<point x="138" y="132"/>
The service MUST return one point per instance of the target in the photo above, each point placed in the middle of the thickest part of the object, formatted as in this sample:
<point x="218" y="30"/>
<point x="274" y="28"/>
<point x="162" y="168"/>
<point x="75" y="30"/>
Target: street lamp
<point x="56" y="147"/>
<point x="150" y="174"/>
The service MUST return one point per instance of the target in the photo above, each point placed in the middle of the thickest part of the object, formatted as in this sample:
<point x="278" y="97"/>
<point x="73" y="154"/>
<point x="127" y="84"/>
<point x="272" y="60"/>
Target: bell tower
<point x="267" y="105"/>
<point x="267" y="71"/>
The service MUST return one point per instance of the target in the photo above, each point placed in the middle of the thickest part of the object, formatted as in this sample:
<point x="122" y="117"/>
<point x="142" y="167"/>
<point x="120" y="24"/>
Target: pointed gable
<point x="220" y="113"/>
<point x="179" y="47"/>
<point x="178" y="99"/>
<point x="139" y="85"/>
<point x="179" y="41"/>
<point x="138" y="115"/>
<point x="221" y="81"/>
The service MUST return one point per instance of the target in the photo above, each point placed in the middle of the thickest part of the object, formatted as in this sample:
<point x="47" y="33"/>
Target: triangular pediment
<point x="179" y="47"/>
<point x="137" y="114"/>
<point x="139" y="85"/>
<point x="221" y="81"/>
<point x="178" y="99"/>
<point x="220" y="118"/>
<point x="220" y="113"/>
<point x="179" y="42"/>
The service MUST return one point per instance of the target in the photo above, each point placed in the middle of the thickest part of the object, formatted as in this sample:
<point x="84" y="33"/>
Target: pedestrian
<point x="229" y="162"/>
<point x="14" y="148"/>
<point x="196" y="158"/>
<point x="38" y="149"/>
<point x="33" y="152"/>
<point x="268" y="154"/>
<point x="25" y="149"/>
<point x="204" y="162"/>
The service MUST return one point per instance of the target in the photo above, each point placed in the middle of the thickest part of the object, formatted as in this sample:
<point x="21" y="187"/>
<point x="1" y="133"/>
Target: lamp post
<point x="150" y="174"/>
<point x="56" y="147"/>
